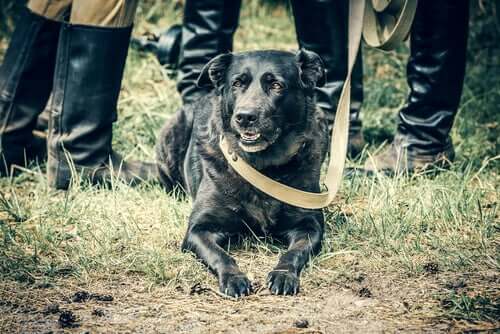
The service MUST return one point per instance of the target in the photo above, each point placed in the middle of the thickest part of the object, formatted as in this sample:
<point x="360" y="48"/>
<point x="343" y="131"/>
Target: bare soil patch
<point x="129" y="305"/>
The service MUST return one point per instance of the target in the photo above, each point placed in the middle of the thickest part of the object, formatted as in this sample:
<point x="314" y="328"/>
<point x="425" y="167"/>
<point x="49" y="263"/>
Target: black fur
<point x="263" y="93"/>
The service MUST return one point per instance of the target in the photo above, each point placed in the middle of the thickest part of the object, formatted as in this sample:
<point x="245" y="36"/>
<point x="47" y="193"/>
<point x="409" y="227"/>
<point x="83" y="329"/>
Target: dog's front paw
<point x="235" y="285"/>
<point x="283" y="282"/>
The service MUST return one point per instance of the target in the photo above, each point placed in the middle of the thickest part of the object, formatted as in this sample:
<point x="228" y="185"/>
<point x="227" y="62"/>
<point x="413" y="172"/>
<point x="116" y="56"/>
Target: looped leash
<point x="387" y="22"/>
<point x="381" y="33"/>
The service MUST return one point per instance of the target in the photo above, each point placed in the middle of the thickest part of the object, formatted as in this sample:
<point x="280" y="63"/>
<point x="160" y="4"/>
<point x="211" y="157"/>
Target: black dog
<point x="263" y="103"/>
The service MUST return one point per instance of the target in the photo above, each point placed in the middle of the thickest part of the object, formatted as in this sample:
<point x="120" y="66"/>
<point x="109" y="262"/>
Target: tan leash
<point x="387" y="22"/>
<point x="384" y="34"/>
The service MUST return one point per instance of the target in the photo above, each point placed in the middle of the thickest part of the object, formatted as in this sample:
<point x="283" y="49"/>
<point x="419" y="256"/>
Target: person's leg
<point x="321" y="26"/>
<point x="435" y="74"/>
<point x="89" y="69"/>
<point x="207" y="31"/>
<point x="104" y="14"/>
<point x="55" y="10"/>
<point x="26" y="81"/>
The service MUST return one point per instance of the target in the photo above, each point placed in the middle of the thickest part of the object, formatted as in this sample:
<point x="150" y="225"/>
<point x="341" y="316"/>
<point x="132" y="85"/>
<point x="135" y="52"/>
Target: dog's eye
<point x="237" y="83"/>
<point x="276" y="86"/>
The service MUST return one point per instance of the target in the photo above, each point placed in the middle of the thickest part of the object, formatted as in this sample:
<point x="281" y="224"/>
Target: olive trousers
<point x="101" y="13"/>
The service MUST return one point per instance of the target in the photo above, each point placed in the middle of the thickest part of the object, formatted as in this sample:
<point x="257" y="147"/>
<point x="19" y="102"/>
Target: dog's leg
<point x="206" y="244"/>
<point x="304" y="242"/>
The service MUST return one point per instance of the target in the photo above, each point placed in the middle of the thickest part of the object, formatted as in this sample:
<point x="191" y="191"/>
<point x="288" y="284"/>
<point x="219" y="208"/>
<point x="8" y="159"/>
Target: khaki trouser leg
<point x="51" y="9"/>
<point x="103" y="13"/>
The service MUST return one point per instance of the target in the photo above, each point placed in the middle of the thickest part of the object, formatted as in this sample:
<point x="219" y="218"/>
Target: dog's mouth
<point x="249" y="137"/>
<point x="252" y="142"/>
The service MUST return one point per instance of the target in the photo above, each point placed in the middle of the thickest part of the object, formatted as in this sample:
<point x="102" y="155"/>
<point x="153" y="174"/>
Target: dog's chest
<point x="261" y="211"/>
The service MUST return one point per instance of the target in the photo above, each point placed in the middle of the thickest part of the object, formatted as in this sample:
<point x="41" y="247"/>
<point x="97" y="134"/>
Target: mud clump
<point x="68" y="320"/>
<point x="98" y="312"/>
<point x="84" y="296"/>
<point x="80" y="297"/>
<point x="431" y="268"/>
<point x="101" y="298"/>
<point x="365" y="293"/>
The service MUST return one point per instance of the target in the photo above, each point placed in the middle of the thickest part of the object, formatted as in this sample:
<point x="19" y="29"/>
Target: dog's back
<point x="172" y="147"/>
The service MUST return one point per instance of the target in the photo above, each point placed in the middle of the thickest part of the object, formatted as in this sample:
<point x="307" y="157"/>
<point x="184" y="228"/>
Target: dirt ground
<point x="129" y="305"/>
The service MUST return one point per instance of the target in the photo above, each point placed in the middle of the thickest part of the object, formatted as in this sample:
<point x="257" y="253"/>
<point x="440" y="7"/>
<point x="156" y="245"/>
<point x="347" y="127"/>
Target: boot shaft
<point x="87" y="82"/>
<point x="207" y="31"/>
<point x="26" y="76"/>
<point x="435" y="74"/>
<point x="321" y="26"/>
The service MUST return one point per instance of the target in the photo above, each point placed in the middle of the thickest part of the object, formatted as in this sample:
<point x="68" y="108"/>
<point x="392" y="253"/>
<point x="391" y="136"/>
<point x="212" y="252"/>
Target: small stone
<point x="302" y="323"/>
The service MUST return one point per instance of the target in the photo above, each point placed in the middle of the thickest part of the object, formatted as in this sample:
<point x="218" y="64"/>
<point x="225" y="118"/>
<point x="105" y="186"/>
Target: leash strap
<point x="340" y="132"/>
<point x="387" y="22"/>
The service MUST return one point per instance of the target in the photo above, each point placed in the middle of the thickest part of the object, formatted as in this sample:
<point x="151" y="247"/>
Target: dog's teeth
<point x="247" y="136"/>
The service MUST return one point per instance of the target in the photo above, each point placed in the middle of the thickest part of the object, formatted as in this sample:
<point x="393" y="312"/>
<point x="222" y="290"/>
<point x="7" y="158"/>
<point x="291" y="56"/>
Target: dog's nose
<point x="245" y="117"/>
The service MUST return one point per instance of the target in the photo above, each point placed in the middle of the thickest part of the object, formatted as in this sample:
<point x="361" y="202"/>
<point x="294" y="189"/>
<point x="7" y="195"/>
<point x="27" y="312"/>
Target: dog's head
<point x="267" y="96"/>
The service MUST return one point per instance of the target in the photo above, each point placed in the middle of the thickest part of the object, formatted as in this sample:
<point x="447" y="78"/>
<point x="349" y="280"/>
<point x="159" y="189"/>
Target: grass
<point x="424" y="247"/>
<point x="462" y="306"/>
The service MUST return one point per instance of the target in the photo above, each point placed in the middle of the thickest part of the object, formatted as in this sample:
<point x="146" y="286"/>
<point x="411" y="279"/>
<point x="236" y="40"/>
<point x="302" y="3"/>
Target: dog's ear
<point x="213" y="72"/>
<point x="311" y="69"/>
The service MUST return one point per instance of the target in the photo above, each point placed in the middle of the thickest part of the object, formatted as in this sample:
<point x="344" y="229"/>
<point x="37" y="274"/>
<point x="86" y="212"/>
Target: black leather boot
<point x="321" y="26"/>
<point x="435" y="75"/>
<point x="88" y="75"/>
<point x="25" y="84"/>
<point x="207" y="31"/>
<point x="164" y="45"/>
